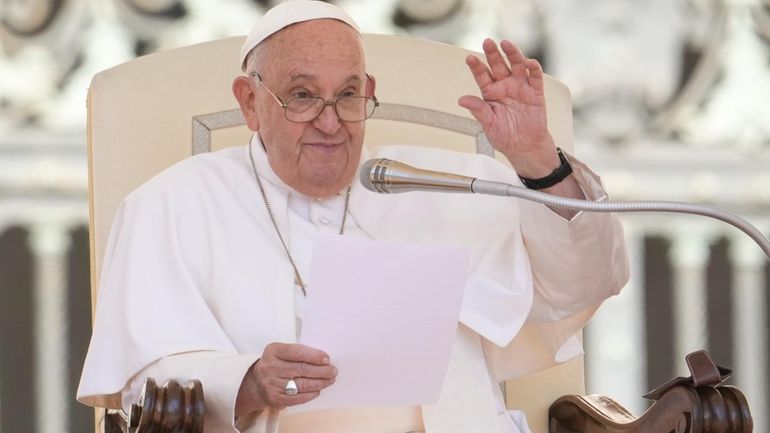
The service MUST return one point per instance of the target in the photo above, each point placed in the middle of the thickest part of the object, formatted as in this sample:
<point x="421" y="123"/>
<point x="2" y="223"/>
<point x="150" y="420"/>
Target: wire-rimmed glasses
<point x="307" y="108"/>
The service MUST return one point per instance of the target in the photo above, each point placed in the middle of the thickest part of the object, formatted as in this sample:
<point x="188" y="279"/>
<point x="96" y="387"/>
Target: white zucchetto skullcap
<point x="291" y="12"/>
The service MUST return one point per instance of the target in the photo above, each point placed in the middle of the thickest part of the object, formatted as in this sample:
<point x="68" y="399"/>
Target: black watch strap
<point x="556" y="176"/>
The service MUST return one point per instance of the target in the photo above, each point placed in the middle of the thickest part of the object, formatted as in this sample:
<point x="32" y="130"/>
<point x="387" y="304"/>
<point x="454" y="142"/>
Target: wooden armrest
<point x="167" y="409"/>
<point x="682" y="409"/>
<point x="698" y="404"/>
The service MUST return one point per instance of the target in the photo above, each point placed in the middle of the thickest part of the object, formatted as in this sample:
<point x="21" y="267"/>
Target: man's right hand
<point x="264" y="386"/>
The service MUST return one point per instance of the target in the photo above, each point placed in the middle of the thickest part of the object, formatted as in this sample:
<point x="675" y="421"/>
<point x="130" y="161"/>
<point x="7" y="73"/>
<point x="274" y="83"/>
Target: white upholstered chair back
<point x="149" y="113"/>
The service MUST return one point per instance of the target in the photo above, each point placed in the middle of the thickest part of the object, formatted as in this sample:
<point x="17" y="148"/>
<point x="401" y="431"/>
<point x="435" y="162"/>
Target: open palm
<point x="511" y="109"/>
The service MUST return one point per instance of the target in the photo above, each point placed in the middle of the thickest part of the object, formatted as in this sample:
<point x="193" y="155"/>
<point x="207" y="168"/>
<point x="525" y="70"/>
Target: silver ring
<point x="291" y="387"/>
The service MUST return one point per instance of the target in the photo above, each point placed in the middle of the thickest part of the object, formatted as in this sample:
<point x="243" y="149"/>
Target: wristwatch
<point x="556" y="176"/>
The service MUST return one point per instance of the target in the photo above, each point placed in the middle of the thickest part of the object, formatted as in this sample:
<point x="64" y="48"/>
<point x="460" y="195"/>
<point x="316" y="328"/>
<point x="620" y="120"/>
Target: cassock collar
<point x="263" y="165"/>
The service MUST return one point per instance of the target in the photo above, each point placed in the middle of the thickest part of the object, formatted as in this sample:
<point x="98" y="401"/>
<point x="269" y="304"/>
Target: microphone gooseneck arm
<point x="504" y="189"/>
<point x="387" y="176"/>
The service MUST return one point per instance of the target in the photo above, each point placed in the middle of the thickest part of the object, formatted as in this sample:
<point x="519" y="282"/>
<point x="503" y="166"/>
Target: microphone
<point x="387" y="176"/>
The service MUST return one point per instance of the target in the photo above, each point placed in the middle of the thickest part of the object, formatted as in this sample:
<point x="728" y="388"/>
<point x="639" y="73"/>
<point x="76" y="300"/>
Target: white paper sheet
<point x="386" y="314"/>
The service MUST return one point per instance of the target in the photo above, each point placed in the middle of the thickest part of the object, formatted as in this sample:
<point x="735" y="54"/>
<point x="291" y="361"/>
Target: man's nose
<point x="328" y="121"/>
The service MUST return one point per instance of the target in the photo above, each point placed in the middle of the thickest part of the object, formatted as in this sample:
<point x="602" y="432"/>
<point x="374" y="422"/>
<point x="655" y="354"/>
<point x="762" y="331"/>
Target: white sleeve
<point x="220" y="374"/>
<point x="576" y="264"/>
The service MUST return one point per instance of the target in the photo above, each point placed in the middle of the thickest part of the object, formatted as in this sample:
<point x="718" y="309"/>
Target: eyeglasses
<point x="302" y="109"/>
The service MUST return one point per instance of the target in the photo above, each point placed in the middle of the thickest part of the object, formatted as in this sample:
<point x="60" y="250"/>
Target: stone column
<point x="616" y="353"/>
<point x="689" y="255"/>
<point x="751" y="333"/>
<point x="50" y="243"/>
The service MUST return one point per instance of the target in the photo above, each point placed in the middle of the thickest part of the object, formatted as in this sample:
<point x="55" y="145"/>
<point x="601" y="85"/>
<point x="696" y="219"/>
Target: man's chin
<point x="324" y="185"/>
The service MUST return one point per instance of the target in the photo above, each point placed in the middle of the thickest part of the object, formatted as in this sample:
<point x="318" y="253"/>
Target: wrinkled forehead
<point x="328" y="33"/>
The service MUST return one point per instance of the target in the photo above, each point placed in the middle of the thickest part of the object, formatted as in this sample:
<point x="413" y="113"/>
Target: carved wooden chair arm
<point x="170" y="408"/>
<point x="697" y="404"/>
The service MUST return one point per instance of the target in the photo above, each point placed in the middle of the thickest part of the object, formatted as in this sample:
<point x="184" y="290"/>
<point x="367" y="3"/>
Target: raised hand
<point x="511" y="109"/>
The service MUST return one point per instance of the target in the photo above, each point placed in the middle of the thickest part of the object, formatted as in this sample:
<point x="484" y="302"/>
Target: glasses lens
<point x="348" y="108"/>
<point x="352" y="108"/>
<point x="304" y="109"/>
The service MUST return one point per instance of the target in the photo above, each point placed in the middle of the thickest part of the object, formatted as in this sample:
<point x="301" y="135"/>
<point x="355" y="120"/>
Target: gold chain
<point x="297" y="277"/>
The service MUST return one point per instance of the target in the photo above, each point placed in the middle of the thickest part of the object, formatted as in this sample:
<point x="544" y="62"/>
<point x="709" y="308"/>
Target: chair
<point x="128" y="142"/>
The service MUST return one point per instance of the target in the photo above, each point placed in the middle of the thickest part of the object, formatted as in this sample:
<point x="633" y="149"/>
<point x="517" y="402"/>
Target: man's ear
<point x="244" y="93"/>
<point x="371" y="83"/>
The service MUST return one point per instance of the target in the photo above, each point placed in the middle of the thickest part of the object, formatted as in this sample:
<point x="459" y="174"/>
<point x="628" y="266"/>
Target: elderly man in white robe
<point x="204" y="271"/>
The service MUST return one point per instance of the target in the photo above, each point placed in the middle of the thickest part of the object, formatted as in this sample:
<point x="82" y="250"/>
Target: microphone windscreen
<point x="365" y="174"/>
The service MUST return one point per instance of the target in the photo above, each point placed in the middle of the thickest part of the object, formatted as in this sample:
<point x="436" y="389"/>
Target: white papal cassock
<point x="195" y="283"/>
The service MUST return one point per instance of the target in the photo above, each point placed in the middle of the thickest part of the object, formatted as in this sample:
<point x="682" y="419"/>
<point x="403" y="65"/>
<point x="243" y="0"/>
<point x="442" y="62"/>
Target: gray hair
<point x="255" y="57"/>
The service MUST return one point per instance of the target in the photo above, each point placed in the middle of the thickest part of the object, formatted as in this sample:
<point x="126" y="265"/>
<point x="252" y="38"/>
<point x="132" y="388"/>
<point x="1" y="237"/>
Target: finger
<point x="283" y="400"/>
<point x="535" y="78"/>
<point x="298" y="353"/>
<point x="290" y="370"/>
<point x="308" y="389"/>
<point x="278" y="385"/>
<point x="310" y="371"/>
<point x="305" y="385"/>
<point x="515" y="57"/>
<point x="480" y="72"/>
<point x="495" y="60"/>
<point x="479" y="109"/>
<point x="272" y="382"/>
<point x="294" y="400"/>
<point x="273" y="391"/>
<point x="272" y="376"/>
